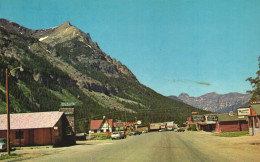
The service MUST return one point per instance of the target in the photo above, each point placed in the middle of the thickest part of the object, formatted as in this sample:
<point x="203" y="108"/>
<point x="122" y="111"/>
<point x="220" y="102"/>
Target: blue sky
<point x="170" y="45"/>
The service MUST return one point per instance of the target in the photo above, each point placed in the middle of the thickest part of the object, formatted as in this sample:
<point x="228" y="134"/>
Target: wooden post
<point x="253" y="127"/>
<point x="8" y="113"/>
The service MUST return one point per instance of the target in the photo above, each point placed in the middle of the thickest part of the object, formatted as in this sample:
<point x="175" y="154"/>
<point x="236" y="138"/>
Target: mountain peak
<point x="184" y="95"/>
<point x="66" y="24"/>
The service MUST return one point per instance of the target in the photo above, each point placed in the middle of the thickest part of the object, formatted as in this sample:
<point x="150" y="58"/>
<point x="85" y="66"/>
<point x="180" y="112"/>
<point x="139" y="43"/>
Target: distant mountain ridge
<point x="214" y="102"/>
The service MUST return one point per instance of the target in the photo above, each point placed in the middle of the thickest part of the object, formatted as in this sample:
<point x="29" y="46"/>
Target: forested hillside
<point x="63" y="64"/>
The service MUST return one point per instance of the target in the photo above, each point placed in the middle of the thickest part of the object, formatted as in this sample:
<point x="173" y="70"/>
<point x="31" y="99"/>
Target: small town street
<point x="155" y="146"/>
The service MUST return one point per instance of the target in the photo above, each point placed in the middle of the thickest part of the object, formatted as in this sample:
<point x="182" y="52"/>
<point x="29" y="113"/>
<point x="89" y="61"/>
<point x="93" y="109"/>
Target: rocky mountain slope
<point x="63" y="64"/>
<point x="216" y="102"/>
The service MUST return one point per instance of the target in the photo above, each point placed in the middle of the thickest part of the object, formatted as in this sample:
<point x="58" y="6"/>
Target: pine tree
<point x="255" y="82"/>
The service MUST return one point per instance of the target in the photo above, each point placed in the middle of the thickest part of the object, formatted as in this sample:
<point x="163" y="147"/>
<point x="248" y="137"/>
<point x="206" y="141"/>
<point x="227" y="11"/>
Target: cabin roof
<point x="31" y="120"/>
<point x="256" y="108"/>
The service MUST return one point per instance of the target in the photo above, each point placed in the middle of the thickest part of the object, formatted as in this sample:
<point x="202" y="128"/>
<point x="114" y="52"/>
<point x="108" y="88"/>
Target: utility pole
<point x="8" y="113"/>
<point x="7" y="106"/>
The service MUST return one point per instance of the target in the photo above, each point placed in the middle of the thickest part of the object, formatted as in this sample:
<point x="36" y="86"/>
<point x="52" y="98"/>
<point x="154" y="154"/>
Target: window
<point x="19" y="135"/>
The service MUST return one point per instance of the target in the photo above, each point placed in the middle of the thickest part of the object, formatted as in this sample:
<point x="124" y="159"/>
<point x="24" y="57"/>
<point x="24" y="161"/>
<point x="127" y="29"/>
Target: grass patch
<point x="233" y="134"/>
<point x="102" y="137"/>
<point x="66" y="96"/>
<point x="6" y="156"/>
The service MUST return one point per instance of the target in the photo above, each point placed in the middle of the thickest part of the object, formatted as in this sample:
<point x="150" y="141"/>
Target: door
<point x="31" y="137"/>
<point x="240" y="125"/>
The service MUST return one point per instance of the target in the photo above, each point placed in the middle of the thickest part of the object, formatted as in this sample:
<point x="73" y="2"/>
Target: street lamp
<point x="7" y="106"/>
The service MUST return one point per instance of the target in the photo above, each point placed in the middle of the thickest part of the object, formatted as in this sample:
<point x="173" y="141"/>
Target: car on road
<point x="3" y="145"/>
<point x="116" y="135"/>
<point x="135" y="133"/>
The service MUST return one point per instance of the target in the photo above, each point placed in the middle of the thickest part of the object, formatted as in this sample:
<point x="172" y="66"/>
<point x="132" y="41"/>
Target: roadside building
<point x="198" y="118"/>
<point x="254" y="119"/>
<point x="188" y="123"/>
<point x="123" y="126"/>
<point x="142" y="127"/>
<point x="154" y="127"/>
<point x="210" y="120"/>
<point x="130" y="126"/>
<point x="199" y="121"/>
<point x="41" y="128"/>
<point x="170" y="125"/>
<point x="101" y="126"/>
<point x="119" y="126"/>
<point x="231" y="122"/>
<point x="69" y="112"/>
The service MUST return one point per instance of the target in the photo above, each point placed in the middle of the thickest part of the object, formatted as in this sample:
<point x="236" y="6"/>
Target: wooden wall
<point x="231" y="126"/>
<point x="40" y="136"/>
<point x="244" y="125"/>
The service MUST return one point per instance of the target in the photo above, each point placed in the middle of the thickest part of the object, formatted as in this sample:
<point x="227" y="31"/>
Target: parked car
<point x="162" y="130"/>
<point x="3" y="145"/>
<point x="144" y="131"/>
<point x="135" y="133"/>
<point x="169" y="129"/>
<point x="180" y="129"/>
<point x="123" y="134"/>
<point x="116" y="135"/>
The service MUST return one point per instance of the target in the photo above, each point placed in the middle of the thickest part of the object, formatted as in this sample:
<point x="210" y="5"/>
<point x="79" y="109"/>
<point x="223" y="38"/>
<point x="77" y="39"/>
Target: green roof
<point x="227" y="117"/>
<point x="256" y="108"/>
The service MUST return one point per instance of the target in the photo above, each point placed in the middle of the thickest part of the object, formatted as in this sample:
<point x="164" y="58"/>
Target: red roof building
<point x="41" y="128"/>
<point x="231" y="122"/>
<point x="254" y="119"/>
<point x="95" y="124"/>
<point x="98" y="126"/>
<point x="123" y="124"/>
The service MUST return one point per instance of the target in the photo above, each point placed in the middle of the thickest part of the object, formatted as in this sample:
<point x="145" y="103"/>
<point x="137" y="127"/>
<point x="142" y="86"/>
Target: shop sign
<point x="212" y="118"/>
<point x="198" y="119"/>
<point x="243" y="111"/>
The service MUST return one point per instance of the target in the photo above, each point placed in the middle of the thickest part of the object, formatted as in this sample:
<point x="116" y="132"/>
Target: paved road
<point x="157" y="146"/>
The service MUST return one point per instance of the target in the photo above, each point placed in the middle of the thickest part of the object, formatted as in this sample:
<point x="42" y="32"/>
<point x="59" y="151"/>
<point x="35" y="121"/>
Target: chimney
<point x="69" y="111"/>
